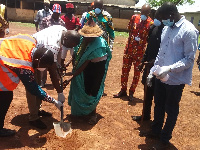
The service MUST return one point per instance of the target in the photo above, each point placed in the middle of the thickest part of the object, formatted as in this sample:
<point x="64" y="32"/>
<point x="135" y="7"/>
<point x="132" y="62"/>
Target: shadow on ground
<point x="81" y="122"/>
<point x="150" y="143"/>
<point x="27" y="135"/>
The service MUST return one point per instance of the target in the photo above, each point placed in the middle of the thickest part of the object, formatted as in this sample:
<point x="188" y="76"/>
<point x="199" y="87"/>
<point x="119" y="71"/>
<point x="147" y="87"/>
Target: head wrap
<point x="56" y="8"/>
<point x="69" y="5"/>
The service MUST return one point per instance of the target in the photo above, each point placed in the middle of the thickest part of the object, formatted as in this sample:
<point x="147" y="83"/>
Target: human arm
<point x="27" y="78"/>
<point x="198" y="59"/>
<point x="183" y="59"/>
<point x="111" y="33"/>
<point x="78" y="24"/>
<point x="36" y="21"/>
<point x="54" y="77"/>
<point x="77" y="72"/>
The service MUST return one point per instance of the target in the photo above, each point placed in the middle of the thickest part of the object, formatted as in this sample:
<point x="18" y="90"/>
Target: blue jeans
<point x="166" y="98"/>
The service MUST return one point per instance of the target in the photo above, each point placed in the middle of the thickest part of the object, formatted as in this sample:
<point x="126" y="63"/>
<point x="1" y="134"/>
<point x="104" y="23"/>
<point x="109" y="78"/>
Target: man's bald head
<point x="146" y="10"/>
<point x="70" y="39"/>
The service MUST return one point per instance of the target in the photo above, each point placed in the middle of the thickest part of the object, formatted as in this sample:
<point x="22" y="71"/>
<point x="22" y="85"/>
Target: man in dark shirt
<point x="148" y="59"/>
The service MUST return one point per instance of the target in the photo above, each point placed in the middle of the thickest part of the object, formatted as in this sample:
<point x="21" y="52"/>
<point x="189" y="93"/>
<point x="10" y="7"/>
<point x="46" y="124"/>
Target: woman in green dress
<point x="90" y="65"/>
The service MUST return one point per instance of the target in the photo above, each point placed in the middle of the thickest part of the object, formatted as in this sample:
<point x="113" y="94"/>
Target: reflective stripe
<point x="21" y="36"/>
<point x="2" y="88"/>
<point x="16" y="61"/>
<point x="10" y="75"/>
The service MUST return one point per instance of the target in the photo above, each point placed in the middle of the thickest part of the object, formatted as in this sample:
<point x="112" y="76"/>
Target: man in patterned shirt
<point x="42" y="13"/>
<point x="138" y="26"/>
<point x="104" y="21"/>
<point x="53" y="19"/>
<point x="18" y="58"/>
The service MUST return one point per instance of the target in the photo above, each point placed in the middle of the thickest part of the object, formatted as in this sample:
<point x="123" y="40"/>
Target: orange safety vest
<point x="15" y="51"/>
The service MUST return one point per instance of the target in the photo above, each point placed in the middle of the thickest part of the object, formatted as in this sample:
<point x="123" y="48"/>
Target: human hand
<point x="58" y="104"/>
<point x="163" y="72"/>
<point x="7" y="31"/>
<point x="198" y="60"/>
<point x="141" y="66"/>
<point x="65" y="83"/>
<point x="149" y="80"/>
<point x="61" y="97"/>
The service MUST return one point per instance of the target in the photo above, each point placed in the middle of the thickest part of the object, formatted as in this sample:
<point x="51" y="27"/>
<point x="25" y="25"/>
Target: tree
<point x="157" y="3"/>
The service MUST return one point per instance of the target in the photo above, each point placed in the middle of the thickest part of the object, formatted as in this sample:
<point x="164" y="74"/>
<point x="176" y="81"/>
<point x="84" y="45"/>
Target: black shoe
<point x="6" y="132"/>
<point x="150" y="134"/>
<point x="38" y="124"/>
<point x="120" y="94"/>
<point x="104" y="94"/>
<point x="139" y="118"/>
<point x="131" y="98"/>
<point x="161" y="146"/>
<point x="44" y="113"/>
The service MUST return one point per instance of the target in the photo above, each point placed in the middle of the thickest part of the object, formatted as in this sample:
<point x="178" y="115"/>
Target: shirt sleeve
<point x="110" y="32"/>
<point x="37" y="17"/>
<point x="190" y="47"/>
<point x="27" y="78"/>
<point x="78" y="21"/>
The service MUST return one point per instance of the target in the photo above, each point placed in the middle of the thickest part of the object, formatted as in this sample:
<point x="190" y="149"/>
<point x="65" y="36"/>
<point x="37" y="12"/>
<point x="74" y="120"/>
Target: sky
<point x="185" y="8"/>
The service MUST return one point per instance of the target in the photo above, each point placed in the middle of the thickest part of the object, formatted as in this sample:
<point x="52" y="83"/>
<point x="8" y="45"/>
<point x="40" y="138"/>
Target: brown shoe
<point x="120" y="94"/>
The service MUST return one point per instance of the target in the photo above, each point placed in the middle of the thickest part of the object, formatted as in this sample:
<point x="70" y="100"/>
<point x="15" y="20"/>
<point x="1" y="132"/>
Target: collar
<point x="180" y="22"/>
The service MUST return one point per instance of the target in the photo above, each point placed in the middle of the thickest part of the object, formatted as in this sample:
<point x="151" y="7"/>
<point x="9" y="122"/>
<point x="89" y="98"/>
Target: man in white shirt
<point x="55" y="38"/>
<point x="175" y="59"/>
<point x="42" y="14"/>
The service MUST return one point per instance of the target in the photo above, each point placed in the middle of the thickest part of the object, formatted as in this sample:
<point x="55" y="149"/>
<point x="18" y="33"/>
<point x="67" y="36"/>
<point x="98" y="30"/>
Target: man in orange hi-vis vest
<point x="18" y="58"/>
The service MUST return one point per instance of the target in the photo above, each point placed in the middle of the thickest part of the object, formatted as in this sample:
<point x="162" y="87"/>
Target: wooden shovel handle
<point x="61" y="113"/>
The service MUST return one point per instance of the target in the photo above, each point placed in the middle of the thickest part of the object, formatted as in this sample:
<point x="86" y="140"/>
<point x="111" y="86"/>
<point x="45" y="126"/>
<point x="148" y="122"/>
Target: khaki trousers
<point x="33" y="102"/>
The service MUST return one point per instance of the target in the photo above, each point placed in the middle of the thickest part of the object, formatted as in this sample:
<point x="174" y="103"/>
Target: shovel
<point x="62" y="128"/>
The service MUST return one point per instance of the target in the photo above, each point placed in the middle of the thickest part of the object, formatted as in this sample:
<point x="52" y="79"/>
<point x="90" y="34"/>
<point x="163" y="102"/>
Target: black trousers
<point x="149" y="95"/>
<point x="93" y="75"/>
<point x="6" y="98"/>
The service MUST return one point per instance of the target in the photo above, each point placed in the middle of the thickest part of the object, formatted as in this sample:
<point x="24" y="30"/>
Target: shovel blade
<point x="62" y="128"/>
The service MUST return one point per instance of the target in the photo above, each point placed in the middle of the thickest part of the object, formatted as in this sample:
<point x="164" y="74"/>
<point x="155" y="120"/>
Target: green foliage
<point x="199" y="40"/>
<point x="157" y="3"/>
<point x="121" y="34"/>
<point x="23" y="24"/>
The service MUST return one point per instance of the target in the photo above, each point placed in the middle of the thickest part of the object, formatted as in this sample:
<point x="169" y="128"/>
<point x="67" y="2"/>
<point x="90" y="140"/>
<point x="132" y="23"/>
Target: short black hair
<point x="168" y="7"/>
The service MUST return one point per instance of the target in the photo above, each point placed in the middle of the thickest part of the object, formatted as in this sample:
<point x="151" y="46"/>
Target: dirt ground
<point x="115" y="129"/>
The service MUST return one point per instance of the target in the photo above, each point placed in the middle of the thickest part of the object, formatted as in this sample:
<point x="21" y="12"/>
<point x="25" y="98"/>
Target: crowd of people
<point x="162" y="48"/>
